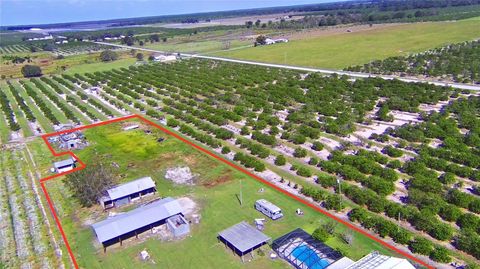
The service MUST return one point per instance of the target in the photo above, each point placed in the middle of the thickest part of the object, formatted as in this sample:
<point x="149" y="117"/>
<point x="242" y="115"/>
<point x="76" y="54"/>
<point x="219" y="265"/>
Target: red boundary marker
<point x="202" y="149"/>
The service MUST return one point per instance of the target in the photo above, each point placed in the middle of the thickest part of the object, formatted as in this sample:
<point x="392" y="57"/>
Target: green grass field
<point x="207" y="46"/>
<point x="99" y="66"/>
<point x="81" y="63"/>
<point x="139" y="154"/>
<point x="338" y="51"/>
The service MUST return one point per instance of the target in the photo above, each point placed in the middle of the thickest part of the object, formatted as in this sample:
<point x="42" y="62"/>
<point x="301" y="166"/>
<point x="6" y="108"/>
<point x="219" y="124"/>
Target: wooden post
<point x="121" y="242"/>
<point x="104" y="249"/>
<point x="136" y="234"/>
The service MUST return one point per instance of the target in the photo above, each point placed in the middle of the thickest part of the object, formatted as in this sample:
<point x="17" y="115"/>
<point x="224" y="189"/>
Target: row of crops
<point x="200" y="117"/>
<point x="11" y="49"/>
<point x="35" y="106"/>
<point x="458" y="62"/>
<point x="26" y="239"/>
<point x="297" y="127"/>
<point x="65" y="49"/>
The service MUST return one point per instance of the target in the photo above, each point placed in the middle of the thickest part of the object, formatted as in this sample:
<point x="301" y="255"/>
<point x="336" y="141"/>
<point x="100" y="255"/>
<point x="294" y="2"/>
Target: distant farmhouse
<point x="128" y="192"/>
<point x="164" y="58"/>
<point x="270" y="41"/>
<point x="64" y="166"/>
<point x="123" y="226"/>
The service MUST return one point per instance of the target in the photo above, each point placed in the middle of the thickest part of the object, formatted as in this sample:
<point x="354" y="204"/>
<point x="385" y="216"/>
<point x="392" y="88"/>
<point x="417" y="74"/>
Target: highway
<point x="310" y="69"/>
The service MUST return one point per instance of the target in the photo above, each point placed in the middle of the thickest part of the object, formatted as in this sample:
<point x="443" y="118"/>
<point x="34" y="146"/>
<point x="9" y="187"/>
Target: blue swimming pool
<point x="308" y="256"/>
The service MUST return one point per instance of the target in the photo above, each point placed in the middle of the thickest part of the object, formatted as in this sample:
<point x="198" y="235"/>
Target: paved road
<point x="309" y="69"/>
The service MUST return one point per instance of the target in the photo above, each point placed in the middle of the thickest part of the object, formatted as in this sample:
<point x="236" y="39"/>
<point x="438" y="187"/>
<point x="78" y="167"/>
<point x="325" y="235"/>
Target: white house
<point x="164" y="58"/>
<point x="270" y="41"/>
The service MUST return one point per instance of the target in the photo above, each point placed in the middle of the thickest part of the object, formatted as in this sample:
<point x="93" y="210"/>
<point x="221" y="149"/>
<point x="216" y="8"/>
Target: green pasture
<point x="140" y="154"/>
<point x="341" y="50"/>
<point x="98" y="66"/>
<point x="196" y="46"/>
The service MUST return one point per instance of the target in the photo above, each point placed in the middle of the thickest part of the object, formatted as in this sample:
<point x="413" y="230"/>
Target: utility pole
<point x="241" y="194"/>
<point x="339" y="190"/>
<point x="339" y="186"/>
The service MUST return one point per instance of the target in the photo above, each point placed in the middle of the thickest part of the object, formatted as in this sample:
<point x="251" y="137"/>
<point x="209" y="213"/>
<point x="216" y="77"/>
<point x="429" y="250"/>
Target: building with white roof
<point x="374" y="260"/>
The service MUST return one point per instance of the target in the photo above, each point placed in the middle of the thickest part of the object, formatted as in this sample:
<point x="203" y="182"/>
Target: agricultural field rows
<point x="54" y="104"/>
<point x="66" y="49"/>
<point x="29" y="243"/>
<point x="455" y="62"/>
<point x="11" y="49"/>
<point x="305" y="132"/>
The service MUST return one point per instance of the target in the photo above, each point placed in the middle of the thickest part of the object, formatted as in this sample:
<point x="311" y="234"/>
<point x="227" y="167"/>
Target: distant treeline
<point x="380" y="5"/>
<point x="377" y="14"/>
<point x="131" y="31"/>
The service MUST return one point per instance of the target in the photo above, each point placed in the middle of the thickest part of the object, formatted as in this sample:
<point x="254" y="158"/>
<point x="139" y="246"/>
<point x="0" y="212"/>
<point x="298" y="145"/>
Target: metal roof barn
<point x="64" y="163"/>
<point x="137" y="219"/>
<point x="243" y="238"/>
<point x="131" y="187"/>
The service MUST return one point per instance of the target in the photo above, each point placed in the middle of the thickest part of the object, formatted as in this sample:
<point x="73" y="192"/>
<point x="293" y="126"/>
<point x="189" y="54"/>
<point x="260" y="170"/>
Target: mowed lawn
<point x="340" y="50"/>
<point x="139" y="154"/>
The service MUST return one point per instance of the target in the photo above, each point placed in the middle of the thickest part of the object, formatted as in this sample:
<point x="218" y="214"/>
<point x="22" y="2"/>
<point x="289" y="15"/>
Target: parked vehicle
<point x="268" y="209"/>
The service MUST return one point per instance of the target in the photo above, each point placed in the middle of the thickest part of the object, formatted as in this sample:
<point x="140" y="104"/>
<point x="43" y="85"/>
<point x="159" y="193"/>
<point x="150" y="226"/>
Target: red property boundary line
<point x="200" y="148"/>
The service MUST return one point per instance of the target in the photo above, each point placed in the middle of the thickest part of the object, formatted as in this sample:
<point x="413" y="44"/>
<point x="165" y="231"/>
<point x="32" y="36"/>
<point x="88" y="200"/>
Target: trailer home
<point x="268" y="209"/>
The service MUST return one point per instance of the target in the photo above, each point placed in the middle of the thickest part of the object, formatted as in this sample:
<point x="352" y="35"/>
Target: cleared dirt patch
<point x="220" y="180"/>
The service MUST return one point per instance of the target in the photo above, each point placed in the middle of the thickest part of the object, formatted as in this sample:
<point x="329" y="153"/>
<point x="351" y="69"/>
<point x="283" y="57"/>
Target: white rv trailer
<point x="268" y="209"/>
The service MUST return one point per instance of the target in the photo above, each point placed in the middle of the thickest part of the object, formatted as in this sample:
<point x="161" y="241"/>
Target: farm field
<point x="202" y="47"/>
<point x="33" y="242"/>
<point x="342" y="50"/>
<point x="80" y="63"/>
<point x="209" y="42"/>
<point x="300" y="132"/>
<point x="215" y="194"/>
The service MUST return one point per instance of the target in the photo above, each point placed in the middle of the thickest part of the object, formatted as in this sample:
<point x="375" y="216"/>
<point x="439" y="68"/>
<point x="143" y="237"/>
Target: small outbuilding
<point x="178" y="226"/>
<point x="243" y="239"/>
<point x="65" y="165"/>
<point x="128" y="192"/>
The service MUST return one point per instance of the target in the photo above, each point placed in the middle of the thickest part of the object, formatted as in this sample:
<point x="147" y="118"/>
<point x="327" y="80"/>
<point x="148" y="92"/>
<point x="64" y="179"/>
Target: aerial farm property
<point x="321" y="136"/>
<point x="341" y="146"/>
<point x="139" y="219"/>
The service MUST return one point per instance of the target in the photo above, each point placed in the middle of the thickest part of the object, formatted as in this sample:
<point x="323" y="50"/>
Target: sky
<point x="20" y="12"/>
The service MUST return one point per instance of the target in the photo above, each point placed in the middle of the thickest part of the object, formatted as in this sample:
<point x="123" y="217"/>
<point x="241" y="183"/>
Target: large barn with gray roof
<point x="126" y="225"/>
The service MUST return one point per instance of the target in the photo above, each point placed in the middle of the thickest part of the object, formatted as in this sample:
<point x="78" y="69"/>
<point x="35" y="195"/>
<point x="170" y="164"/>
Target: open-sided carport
<point x="243" y="238"/>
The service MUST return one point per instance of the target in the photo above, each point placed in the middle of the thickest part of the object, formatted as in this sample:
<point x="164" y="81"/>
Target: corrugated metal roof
<point x="67" y="162"/>
<point x="341" y="264"/>
<point x="268" y="205"/>
<point x="375" y="260"/>
<point x="243" y="236"/>
<point x="140" y="217"/>
<point x="131" y="187"/>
